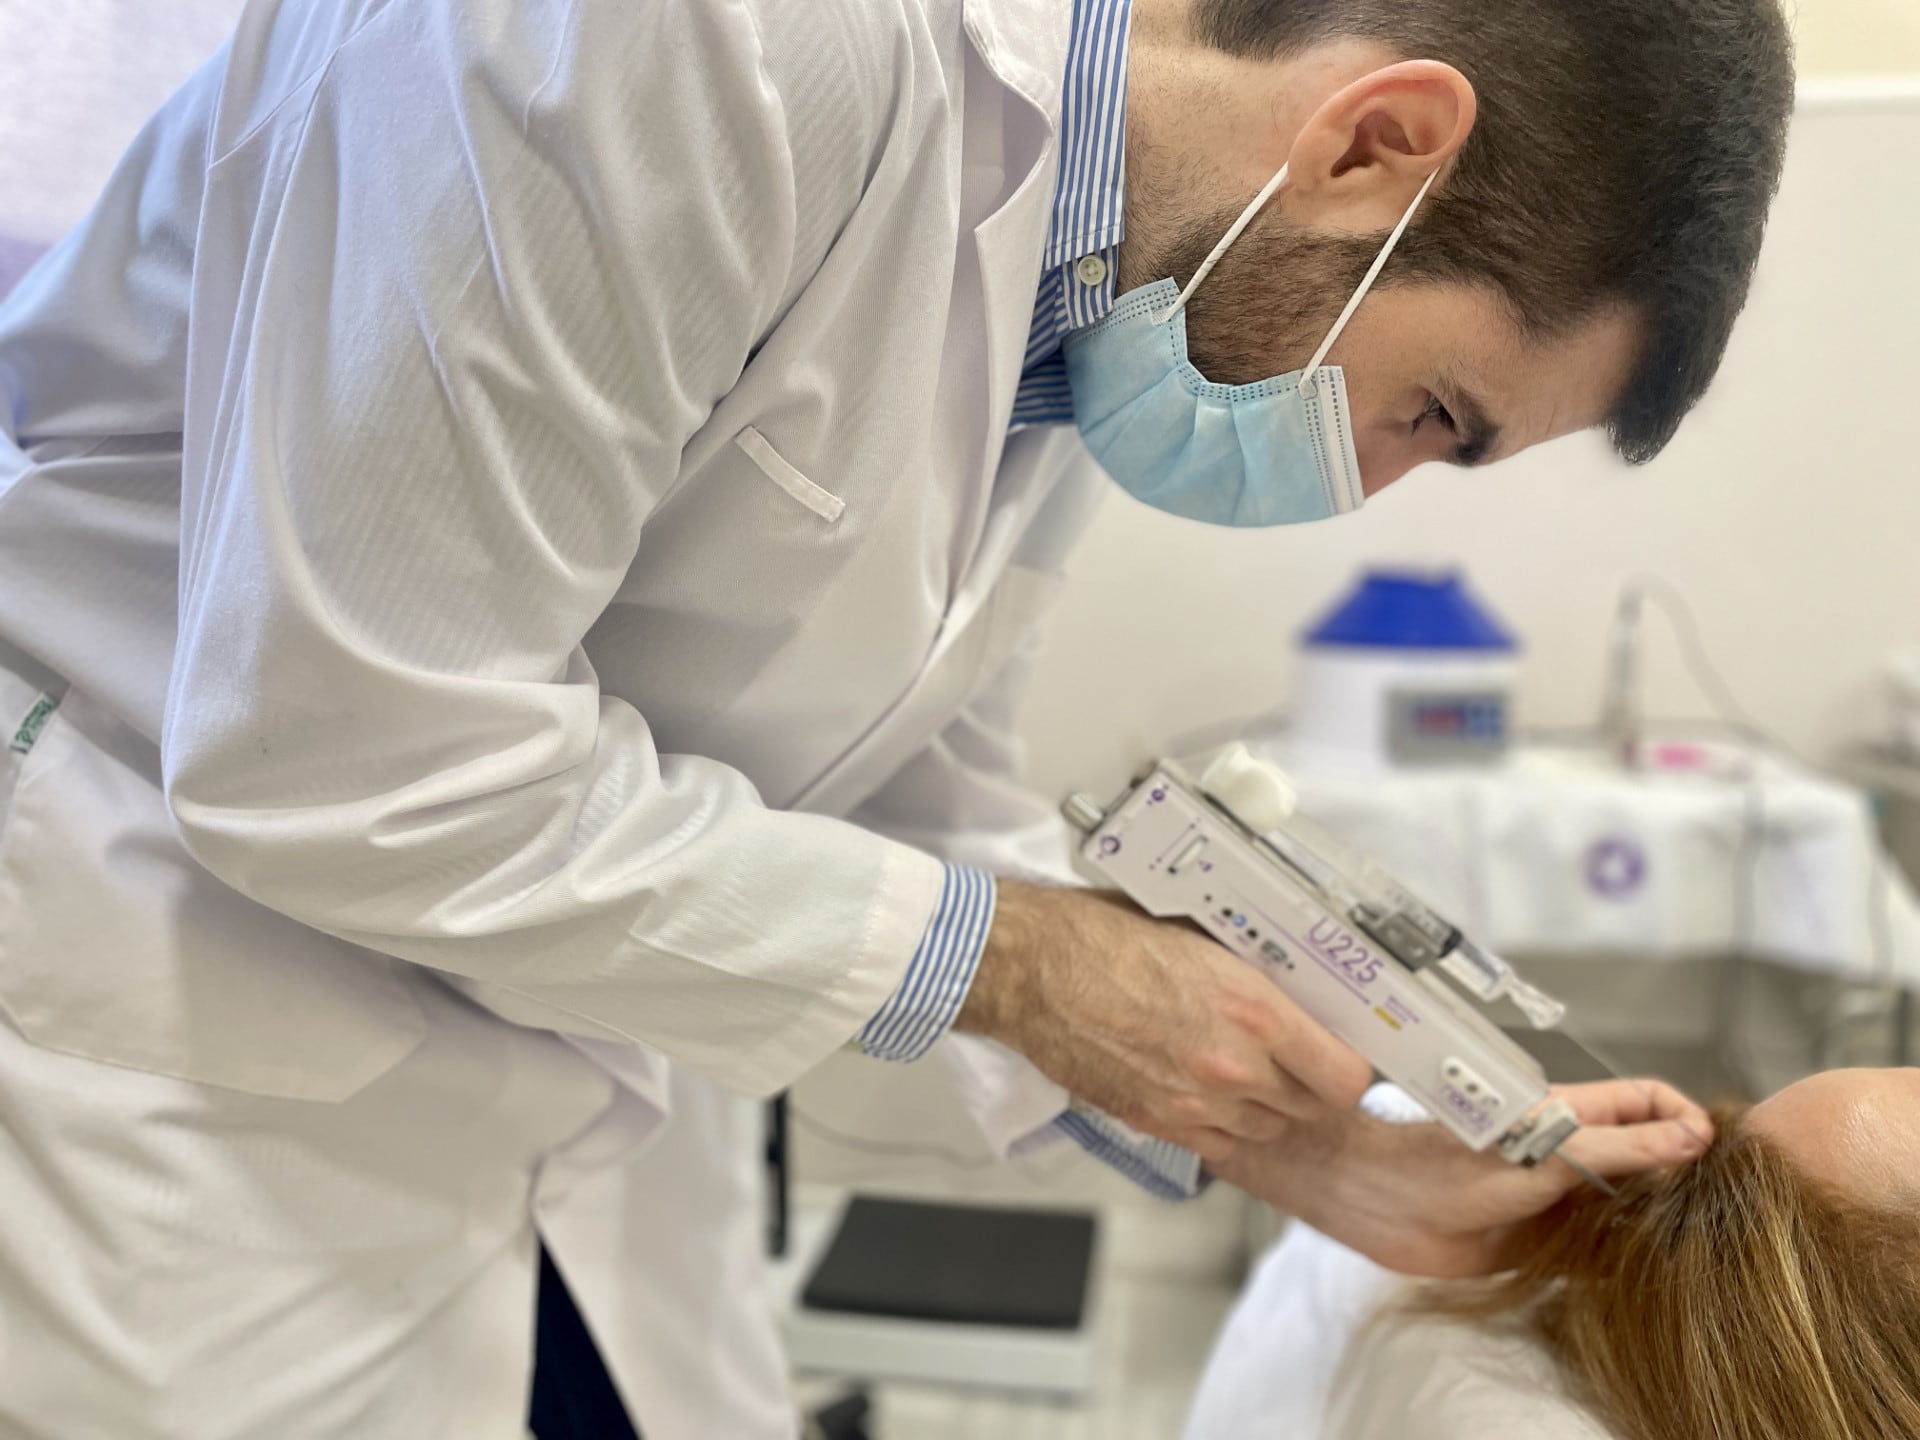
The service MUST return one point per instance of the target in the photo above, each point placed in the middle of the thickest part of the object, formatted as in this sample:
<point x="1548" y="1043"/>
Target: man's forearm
<point x="1006" y="983"/>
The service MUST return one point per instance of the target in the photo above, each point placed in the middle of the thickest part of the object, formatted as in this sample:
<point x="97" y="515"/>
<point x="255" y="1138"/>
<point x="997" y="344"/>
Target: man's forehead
<point x="1537" y="388"/>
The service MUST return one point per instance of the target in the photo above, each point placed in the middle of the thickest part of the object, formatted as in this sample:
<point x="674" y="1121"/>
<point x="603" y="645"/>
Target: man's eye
<point x="1434" y="411"/>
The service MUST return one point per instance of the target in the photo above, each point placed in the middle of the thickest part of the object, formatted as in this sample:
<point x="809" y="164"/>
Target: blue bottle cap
<point x="1408" y="610"/>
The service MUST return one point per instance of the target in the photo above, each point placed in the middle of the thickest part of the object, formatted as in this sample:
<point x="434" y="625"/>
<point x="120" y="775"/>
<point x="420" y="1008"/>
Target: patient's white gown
<point x="1299" y="1359"/>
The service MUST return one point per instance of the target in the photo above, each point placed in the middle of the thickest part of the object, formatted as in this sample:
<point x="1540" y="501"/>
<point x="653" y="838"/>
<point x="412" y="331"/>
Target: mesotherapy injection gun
<point x="1347" y="943"/>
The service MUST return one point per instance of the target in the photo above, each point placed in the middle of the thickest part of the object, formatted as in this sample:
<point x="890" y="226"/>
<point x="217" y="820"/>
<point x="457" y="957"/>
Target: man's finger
<point x="1332" y="1070"/>
<point x="1243" y="1120"/>
<point x="1613" y="1151"/>
<point x="1212" y="1144"/>
<point x="1634" y="1102"/>
<point x="1253" y="1121"/>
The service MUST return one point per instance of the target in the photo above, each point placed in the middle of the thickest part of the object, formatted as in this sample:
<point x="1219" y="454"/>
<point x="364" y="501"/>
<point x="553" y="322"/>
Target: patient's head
<point x="1855" y="1131"/>
<point x="1769" y="1291"/>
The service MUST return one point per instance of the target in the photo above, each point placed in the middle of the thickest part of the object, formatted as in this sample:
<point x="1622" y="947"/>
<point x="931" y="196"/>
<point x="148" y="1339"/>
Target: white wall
<point x="1857" y="37"/>
<point x="1787" y="511"/>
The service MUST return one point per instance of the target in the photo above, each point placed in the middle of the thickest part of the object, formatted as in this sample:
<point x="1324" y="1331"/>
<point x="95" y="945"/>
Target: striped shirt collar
<point x="1087" y="198"/>
<point x="1078" y="268"/>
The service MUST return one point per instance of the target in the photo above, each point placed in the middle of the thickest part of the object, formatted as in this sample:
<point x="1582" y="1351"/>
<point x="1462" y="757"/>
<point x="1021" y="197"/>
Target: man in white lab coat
<point x="521" y="522"/>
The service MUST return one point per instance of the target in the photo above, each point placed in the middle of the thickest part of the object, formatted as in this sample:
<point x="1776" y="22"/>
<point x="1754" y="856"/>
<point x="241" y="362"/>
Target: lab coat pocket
<point x="116" y="946"/>
<point x="774" y="466"/>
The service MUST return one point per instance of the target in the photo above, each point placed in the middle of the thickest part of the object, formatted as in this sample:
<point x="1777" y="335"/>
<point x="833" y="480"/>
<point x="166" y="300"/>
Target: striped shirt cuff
<point x="1157" y="1166"/>
<point x="938" y="976"/>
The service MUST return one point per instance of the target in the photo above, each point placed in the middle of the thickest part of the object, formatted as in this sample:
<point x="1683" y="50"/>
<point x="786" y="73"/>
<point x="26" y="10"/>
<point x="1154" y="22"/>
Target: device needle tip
<point x="1587" y="1175"/>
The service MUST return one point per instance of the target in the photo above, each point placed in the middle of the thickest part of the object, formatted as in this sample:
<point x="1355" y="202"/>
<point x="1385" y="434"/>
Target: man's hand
<point x="1414" y="1199"/>
<point x="1153" y="1022"/>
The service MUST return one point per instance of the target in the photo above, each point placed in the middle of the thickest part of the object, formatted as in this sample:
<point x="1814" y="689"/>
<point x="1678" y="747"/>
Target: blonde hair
<point x="1733" y="1299"/>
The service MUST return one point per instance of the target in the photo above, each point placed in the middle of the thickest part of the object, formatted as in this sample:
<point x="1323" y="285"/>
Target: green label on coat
<point x="35" y="722"/>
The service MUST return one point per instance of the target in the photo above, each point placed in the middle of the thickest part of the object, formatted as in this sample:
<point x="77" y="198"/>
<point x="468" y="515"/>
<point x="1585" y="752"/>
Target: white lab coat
<point x="493" y="486"/>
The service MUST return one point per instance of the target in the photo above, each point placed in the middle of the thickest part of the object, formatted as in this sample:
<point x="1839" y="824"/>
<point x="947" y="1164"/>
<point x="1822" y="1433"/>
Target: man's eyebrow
<point x="1478" y="435"/>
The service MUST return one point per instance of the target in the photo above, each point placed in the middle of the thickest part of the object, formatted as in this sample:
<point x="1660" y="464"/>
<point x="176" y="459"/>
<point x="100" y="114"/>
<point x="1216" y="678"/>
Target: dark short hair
<point x="1626" y="151"/>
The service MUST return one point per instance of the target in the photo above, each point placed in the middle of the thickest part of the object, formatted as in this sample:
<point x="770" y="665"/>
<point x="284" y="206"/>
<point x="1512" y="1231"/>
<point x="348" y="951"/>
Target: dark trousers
<point x="573" y="1395"/>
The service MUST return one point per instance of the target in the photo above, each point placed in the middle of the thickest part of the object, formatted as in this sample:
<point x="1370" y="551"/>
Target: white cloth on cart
<point x="1544" y="857"/>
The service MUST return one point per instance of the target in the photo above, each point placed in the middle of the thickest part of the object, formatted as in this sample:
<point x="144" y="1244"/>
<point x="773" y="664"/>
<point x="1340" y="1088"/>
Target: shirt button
<point x="1091" y="269"/>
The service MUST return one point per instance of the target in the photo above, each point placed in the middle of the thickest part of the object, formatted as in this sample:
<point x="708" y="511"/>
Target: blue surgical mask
<point x="1279" y="452"/>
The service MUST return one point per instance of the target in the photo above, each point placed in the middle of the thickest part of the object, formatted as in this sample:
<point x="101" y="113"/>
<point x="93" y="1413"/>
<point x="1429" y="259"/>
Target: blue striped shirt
<point x="922" y="1007"/>
<point x="1078" y="267"/>
<point x="1076" y="289"/>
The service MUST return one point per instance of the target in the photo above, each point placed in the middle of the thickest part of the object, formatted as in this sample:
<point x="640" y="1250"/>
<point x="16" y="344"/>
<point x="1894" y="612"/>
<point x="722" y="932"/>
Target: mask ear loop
<point x="1353" y="303"/>
<point x="1233" y="234"/>
<point x="1366" y="284"/>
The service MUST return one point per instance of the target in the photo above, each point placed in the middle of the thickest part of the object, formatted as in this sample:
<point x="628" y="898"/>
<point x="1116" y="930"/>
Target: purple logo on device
<point x="1471" y="1112"/>
<point x="1616" y="867"/>
<point x="1109" y="844"/>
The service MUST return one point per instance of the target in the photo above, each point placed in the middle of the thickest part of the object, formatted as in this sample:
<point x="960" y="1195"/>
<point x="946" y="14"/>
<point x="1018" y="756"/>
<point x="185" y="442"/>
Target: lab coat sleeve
<point x="462" y="298"/>
<point x="962" y="798"/>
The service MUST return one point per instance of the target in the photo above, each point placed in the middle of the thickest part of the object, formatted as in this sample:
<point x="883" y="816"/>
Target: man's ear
<point x="1358" y="160"/>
